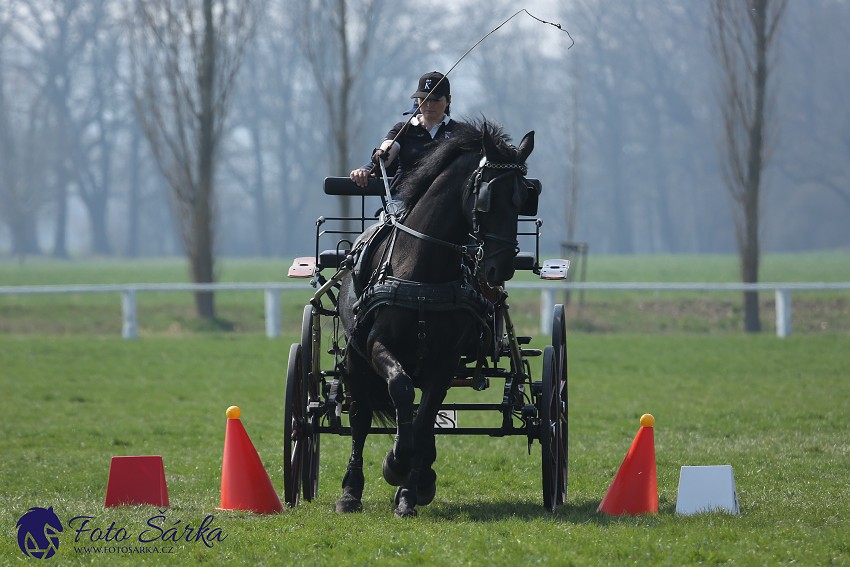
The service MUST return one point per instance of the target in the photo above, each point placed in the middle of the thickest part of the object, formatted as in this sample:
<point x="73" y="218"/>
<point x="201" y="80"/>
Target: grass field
<point x="74" y="395"/>
<point x="773" y="409"/>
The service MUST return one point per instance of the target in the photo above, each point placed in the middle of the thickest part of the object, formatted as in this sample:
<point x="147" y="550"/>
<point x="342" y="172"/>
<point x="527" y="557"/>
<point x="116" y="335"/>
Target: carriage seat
<point x="524" y="261"/>
<point x="332" y="258"/>
<point x="344" y="186"/>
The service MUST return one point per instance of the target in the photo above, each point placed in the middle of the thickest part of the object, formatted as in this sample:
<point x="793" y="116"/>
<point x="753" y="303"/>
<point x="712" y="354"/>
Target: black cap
<point x="434" y="84"/>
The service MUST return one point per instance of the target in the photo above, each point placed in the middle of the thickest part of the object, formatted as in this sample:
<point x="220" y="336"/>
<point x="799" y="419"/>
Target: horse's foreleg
<point x="426" y="444"/>
<point x="400" y="386"/>
<point x="421" y="484"/>
<point x="353" y="482"/>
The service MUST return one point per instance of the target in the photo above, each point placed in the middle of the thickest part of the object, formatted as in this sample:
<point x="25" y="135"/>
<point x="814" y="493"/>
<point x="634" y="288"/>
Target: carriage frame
<point x="315" y="397"/>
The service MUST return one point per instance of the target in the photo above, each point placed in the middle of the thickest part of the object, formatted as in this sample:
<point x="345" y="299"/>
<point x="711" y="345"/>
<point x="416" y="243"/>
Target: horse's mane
<point x="466" y="143"/>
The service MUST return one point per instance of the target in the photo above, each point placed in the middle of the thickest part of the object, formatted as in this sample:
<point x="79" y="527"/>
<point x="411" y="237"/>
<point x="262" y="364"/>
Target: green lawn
<point x="773" y="409"/>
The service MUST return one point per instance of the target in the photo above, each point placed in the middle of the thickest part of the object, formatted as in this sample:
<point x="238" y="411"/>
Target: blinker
<point x="482" y="200"/>
<point x="520" y="192"/>
<point x="529" y="207"/>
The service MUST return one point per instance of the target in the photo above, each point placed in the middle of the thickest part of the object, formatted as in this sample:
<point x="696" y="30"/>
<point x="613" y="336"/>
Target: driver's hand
<point x="361" y="176"/>
<point x="380" y="154"/>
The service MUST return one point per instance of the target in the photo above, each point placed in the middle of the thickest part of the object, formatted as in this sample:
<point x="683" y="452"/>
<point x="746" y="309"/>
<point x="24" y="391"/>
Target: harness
<point x="384" y="289"/>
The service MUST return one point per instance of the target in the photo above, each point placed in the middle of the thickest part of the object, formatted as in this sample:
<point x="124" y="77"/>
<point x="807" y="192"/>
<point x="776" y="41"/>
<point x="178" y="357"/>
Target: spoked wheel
<point x="549" y="404"/>
<point x="310" y="468"/>
<point x="294" y="426"/>
<point x="559" y="343"/>
<point x="307" y="338"/>
<point x="310" y="464"/>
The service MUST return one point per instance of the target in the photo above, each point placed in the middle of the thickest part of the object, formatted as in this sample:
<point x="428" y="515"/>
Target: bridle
<point x="481" y="191"/>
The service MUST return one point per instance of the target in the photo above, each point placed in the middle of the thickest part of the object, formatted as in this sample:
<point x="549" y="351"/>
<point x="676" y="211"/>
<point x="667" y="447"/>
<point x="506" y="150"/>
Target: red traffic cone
<point x="635" y="488"/>
<point x="136" y="480"/>
<point x="245" y="485"/>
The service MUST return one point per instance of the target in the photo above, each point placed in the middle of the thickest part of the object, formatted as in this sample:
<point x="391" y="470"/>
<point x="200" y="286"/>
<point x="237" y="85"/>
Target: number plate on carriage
<point x="555" y="269"/>
<point x="446" y="419"/>
<point x="302" y="267"/>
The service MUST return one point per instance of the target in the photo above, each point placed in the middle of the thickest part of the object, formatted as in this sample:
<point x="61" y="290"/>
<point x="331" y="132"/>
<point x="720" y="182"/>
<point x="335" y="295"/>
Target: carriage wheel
<point x="307" y="345"/>
<point x="559" y="342"/>
<point x="310" y="463"/>
<point x="294" y="426"/>
<point x="549" y="405"/>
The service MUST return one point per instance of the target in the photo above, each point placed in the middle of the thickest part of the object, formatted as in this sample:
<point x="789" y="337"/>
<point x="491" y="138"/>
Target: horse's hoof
<point x="406" y="512"/>
<point x="403" y="509"/>
<point x="348" y="504"/>
<point x="394" y="473"/>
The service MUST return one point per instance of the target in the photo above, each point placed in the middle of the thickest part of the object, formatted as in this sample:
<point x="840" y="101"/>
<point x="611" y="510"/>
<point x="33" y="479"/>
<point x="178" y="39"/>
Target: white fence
<point x="272" y="291"/>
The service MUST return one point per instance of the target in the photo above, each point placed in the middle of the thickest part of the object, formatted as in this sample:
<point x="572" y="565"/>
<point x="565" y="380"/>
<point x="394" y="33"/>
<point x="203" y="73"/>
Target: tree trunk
<point x="259" y="192"/>
<point x="755" y="164"/>
<point x="745" y="68"/>
<point x="201" y="258"/>
<point x="202" y="233"/>
<point x="60" y="241"/>
<point x="133" y="198"/>
<point x="100" y="235"/>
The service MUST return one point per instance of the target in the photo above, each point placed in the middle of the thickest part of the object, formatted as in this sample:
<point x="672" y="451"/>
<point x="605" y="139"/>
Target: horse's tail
<point x="385" y="418"/>
<point x="377" y="395"/>
<point x="366" y="387"/>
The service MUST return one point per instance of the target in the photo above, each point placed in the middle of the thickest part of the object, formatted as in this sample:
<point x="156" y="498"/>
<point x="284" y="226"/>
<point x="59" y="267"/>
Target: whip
<point x="468" y="51"/>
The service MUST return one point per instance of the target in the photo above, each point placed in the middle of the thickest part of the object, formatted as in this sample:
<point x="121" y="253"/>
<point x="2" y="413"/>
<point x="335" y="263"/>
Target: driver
<point x="418" y="136"/>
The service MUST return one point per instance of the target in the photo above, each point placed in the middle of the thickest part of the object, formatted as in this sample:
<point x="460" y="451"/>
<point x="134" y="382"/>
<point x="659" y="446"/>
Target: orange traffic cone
<point x="245" y="485"/>
<point x="136" y="480"/>
<point x="635" y="488"/>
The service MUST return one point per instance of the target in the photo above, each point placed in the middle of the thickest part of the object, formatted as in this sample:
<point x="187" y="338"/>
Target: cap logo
<point x="427" y="85"/>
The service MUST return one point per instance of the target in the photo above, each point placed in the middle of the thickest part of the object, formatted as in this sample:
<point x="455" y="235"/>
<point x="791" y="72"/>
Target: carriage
<point x="318" y="401"/>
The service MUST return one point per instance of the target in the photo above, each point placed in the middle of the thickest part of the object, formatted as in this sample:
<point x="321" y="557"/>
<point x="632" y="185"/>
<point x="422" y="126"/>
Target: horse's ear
<point x="526" y="146"/>
<point x="490" y="148"/>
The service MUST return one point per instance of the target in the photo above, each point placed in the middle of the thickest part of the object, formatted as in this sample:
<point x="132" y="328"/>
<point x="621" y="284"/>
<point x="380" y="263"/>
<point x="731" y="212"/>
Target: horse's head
<point x="497" y="194"/>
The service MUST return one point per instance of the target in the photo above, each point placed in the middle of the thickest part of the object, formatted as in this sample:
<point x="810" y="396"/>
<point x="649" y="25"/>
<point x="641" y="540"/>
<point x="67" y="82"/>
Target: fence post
<point x="272" y="313"/>
<point x="547" y="304"/>
<point x="783" y="313"/>
<point x="128" y="314"/>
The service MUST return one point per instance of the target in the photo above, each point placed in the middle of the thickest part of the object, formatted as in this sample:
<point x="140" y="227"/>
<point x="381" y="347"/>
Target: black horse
<point x="421" y="310"/>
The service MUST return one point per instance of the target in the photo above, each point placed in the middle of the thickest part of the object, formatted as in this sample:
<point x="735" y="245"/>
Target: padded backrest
<point x="345" y="186"/>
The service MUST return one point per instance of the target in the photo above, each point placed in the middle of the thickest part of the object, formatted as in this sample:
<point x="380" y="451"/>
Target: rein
<point x="461" y="248"/>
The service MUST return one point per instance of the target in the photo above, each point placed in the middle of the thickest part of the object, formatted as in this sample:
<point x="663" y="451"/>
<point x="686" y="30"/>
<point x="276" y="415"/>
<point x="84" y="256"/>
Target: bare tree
<point x="743" y="35"/>
<point x="56" y="37"/>
<point x="23" y="131"/>
<point x="337" y="36"/>
<point x="189" y="54"/>
<point x="817" y="159"/>
<point x="574" y="155"/>
<point x="95" y="124"/>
